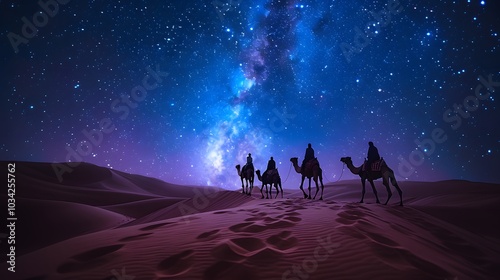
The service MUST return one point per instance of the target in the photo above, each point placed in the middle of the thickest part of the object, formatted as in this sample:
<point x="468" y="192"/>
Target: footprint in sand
<point x="235" y="254"/>
<point x="228" y="252"/>
<point x="349" y="217"/>
<point x="260" y="221"/>
<point x="256" y="216"/>
<point x="282" y="241"/>
<point x="253" y="219"/>
<point x="290" y="213"/>
<point x="345" y="221"/>
<point x="250" y="244"/>
<point x="135" y="237"/>
<point x="97" y="253"/>
<point x="238" y="249"/>
<point x="88" y="259"/>
<point x="176" y="265"/>
<point x="293" y="219"/>
<point x="270" y="220"/>
<point x="267" y="204"/>
<point x="209" y="235"/>
<point x="247" y="227"/>
<point x="280" y="224"/>
<point x="355" y="213"/>
<point x="247" y="249"/>
<point x="335" y="207"/>
<point x="223" y="212"/>
<point x="151" y="227"/>
<point x="295" y="208"/>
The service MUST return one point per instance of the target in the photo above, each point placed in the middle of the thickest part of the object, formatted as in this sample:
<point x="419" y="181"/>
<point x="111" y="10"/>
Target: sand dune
<point x="90" y="198"/>
<point x="447" y="230"/>
<point x="43" y="222"/>
<point x="140" y="208"/>
<point x="203" y="203"/>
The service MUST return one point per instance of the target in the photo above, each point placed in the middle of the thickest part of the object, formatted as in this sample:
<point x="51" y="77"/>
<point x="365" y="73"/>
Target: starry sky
<point x="184" y="90"/>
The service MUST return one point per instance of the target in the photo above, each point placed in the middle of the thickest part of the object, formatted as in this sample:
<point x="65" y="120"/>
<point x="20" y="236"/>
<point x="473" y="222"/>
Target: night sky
<point x="184" y="90"/>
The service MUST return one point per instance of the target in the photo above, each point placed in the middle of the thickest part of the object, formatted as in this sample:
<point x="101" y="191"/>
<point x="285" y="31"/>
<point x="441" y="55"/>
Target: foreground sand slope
<point x="447" y="230"/>
<point x="267" y="239"/>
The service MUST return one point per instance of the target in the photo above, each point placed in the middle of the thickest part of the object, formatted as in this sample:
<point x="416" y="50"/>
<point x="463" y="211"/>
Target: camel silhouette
<point x="248" y="176"/>
<point x="311" y="171"/>
<point x="385" y="173"/>
<point x="272" y="179"/>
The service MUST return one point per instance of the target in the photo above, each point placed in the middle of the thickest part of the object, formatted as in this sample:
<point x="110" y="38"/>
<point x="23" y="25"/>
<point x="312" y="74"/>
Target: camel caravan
<point x="372" y="169"/>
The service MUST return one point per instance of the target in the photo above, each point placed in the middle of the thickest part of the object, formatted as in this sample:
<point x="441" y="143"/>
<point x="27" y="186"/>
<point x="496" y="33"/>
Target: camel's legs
<point x="242" y="186"/>
<point x="317" y="187"/>
<point x="322" y="186"/>
<point x="400" y="194"/>
<point x="395" y="184"/>
<point x="363" y="190"/>
<point x="261" y="190"/>
<point x="374" y="189"/>
<point x="278" y="184"/>
<point x="389" y="192"/>
<point x="270" y="194"/>
<point x="251" y="185"/>
<point x="302" y="186"/>
<point x="309" y="197"/>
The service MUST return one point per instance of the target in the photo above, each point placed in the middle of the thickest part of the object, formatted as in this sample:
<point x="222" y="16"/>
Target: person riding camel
<point x="271" y="165"/>
<point x="249" y="162"/>
<point x="308" y="156"/>
<point x="373" y="156"/>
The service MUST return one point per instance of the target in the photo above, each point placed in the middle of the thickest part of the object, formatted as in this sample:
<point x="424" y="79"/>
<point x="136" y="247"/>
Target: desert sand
<point x="106" y="224"/>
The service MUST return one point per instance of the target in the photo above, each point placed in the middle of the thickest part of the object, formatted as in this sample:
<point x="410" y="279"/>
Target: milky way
<point x="184" y="90"/>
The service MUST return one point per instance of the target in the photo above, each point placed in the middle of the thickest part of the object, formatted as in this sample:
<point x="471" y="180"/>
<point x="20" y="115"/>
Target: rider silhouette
<point x="271" y="165"/>
<point x="249" y="162"/>
<point x="372" y="156"/>
<point x="308" y="156"/>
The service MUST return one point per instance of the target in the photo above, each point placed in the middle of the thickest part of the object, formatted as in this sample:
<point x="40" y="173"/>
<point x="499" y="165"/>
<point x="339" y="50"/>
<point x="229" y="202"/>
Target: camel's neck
<point x="354" y="169"/>
<point x="259" y="176"/>
<point x="239" y="171"/>
<point x="296" y="166"/>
